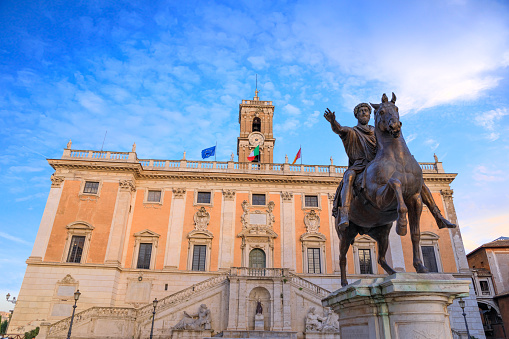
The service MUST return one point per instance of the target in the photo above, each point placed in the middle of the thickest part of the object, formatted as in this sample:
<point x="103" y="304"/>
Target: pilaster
<point x="287" y="306"/>
<point x="233" y="305"/>
<point x="455" y="233"/>
<point x="288" y="231"/>
<point x="242" y="309"/>
<point x="395" y="251"/>
<point x="333" y="236"/>
<point x="48" y="218"/>
<point x="277" y="314"/>
<point x="227" y="237"/>
<point x="175" y="227"/>
<point x="117" y="235"/>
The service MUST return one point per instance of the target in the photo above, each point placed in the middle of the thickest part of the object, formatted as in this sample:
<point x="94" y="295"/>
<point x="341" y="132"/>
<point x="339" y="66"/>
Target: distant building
<point x="125" y="230"/>
<point x="490" y="267"/>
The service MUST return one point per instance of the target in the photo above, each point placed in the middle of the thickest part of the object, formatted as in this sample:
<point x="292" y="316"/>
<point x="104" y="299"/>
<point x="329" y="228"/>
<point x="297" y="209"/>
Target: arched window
<point x="257" y="258"/>
<point x="257" y="125"/>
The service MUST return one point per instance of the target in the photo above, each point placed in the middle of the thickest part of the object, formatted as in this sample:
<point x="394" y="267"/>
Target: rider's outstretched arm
<point x="336" y="127"/>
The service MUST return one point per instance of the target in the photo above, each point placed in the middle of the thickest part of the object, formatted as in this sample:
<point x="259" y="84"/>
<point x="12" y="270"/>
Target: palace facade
<point x="125" y="231"/>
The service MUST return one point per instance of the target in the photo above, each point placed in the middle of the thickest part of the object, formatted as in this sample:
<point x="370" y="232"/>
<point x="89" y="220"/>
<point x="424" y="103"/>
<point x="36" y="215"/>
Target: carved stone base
<point x="190" y="334"/>
<point x="319" y="335"/>
<point x="260" y="334"/>
<point x="403" y="305"/>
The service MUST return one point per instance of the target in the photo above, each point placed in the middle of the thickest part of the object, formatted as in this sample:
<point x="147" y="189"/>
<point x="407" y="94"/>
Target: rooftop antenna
<point x="103" y="140"/>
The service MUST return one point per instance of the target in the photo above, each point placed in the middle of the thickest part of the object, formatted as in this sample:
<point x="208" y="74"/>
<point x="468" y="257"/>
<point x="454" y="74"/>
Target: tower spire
<point x="256" y="90"/>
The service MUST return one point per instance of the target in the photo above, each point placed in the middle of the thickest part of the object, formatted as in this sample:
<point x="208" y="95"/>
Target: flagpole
<point x="300" y="150"/>
<point x="215" y="151"/>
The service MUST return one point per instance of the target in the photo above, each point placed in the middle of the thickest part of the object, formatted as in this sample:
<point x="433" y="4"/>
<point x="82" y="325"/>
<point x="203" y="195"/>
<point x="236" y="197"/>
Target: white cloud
<point x="291" y="110"/>
<point x="258" y="62"/>
<point x="425" y="62"/>
<point x="312" y="119"/>
<point x="489" y="120"/>
<point x="485" y="174"/>
<point x="13" y="238"/>
<point x="433" y="144"/>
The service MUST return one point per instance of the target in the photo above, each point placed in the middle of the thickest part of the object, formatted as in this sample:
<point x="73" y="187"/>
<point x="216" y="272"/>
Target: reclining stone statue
<point x="197" y="322"/>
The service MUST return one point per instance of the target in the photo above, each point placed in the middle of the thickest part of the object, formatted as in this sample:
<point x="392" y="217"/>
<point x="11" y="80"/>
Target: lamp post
<point x="153" y="317"/>
<point x="76" y="297"/>
<point x="13" y="300"/>
<point x="462" y="305"/>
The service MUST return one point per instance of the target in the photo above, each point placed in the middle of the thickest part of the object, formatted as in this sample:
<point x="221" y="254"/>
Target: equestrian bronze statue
<point x="383" y="184"/>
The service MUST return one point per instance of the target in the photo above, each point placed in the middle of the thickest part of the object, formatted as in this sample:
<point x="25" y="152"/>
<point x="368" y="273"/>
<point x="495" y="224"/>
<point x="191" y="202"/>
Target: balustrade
<point x="221" y="166"/>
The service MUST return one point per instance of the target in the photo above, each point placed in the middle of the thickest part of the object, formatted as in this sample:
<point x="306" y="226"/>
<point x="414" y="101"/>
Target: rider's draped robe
<point x="360" y="146"/>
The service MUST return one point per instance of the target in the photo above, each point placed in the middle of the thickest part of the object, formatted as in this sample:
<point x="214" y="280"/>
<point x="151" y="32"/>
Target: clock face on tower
<point x="256" y="139"/>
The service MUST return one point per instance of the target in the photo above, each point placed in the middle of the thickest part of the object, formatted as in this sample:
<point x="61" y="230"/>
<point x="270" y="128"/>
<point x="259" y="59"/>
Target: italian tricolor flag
<point x="254" y="153"/>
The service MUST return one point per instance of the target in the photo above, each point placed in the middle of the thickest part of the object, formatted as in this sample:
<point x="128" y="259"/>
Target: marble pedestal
<point x="259" y="322"/>
<point x="402" y="305"/>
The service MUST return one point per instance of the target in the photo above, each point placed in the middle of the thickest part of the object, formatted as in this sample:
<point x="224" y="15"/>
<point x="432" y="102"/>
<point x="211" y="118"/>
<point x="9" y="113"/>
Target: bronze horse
<point x="391" y="191"/>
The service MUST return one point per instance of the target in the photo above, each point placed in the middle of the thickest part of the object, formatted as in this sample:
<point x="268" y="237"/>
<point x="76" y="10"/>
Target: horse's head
<point x="387" y="116"/>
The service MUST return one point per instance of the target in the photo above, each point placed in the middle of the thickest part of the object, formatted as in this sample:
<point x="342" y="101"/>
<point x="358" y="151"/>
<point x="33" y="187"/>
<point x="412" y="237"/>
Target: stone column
<point x="175" y="229"/>
<point x="288" y="231"/>
<point x="48" y="218"/>
<point x="395" y="251"/>
<point x="334" y="238"/>
<point x="117" y="235"/>
<point x="227" y="235"/>
<point x="455" y="233"/>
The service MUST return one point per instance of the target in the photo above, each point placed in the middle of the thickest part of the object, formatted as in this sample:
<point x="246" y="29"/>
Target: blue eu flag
<point x="208" y="152"/>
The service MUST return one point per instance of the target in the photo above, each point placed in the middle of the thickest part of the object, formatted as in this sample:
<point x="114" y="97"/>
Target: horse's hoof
<point x="444" y="223"/>
<point x="420" y="268"/>
<point x="344" y="283"/>
<point x="401" y="230"/>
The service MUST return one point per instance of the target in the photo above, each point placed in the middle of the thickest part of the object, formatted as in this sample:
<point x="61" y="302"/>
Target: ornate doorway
<point x="257" y="258"/>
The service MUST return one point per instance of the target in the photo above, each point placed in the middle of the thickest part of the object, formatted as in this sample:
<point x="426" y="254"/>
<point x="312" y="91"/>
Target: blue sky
<point x="170" y="75"/>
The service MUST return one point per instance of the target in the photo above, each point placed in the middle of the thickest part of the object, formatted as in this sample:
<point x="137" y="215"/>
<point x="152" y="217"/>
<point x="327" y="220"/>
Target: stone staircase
<point x="131" y="321"/>
<point x="129" y="314"/>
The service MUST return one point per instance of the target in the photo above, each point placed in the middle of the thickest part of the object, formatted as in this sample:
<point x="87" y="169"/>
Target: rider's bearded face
<point x="363" y="115"/>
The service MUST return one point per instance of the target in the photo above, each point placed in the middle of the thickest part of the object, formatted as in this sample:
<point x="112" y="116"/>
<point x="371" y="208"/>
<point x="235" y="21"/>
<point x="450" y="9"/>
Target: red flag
<point x="296" y="157"/>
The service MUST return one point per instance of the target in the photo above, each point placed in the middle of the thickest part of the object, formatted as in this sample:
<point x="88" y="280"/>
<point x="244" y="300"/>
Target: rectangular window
<point x="144" y="254"/>
<point x="485" y="288"/>
<point x="311" y="201"/>
<point x="365" y="261"/>
<point x="258" y="199"/>
<point x="91" y="187"/>
<point x="199" y="254"/>
<point x="314" y="260"/>
<point x="154" y="196"/>
<point x="76" y="248"/>
<point x="429" y="259"/>
<point x="203" y="198"/>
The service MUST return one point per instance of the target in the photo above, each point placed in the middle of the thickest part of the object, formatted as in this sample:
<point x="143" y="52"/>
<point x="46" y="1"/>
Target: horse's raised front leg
<point x="381" y="235"/>
<point x="414" y="215"/>
<point x="346" y="237"/>
<point x="385" y="197"/>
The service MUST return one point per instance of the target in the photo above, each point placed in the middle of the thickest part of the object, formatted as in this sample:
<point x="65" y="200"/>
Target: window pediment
<point x="80" y="225"/>
<point x="146" y="233"/>
<point x="197" y="234"/>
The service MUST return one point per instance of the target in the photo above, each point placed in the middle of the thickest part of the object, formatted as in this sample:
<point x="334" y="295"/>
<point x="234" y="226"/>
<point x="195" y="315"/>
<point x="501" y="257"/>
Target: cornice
<point x="139" y="173"/>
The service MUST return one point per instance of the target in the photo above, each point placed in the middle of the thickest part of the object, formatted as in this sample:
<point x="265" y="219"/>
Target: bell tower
<point x="255" y="119"/>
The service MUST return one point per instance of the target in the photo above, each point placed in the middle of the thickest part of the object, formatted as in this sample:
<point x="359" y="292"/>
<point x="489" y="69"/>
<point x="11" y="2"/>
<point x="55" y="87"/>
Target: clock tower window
<point x="257" y="125"/>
